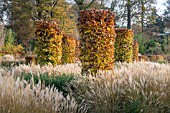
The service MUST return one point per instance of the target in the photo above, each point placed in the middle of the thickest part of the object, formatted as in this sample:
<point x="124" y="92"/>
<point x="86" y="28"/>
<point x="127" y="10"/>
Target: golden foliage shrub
<point x="97" y="35"/>
<point x="135" y="50"/>
<point x="68" y="49"/>
<point x="143" y="58"/>
<point x="49" y="40"/>
<point x="123" y="45"/>
<point x="77" y="51"/>
<point x="156" y="58"/>
<point x="12" y="49"/>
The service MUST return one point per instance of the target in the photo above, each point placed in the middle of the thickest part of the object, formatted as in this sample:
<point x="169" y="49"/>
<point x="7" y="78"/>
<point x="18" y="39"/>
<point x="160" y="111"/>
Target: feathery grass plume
<point x="49" y="69"/>
<point x="48" y="44"/>
<point x="123" y="45"/>
<point x="97" y="35"/>
<point x="138" y="87"/>
<point x="68" y="49"/>
<point x="135" y="50"/>
<point x="20" y="97"/>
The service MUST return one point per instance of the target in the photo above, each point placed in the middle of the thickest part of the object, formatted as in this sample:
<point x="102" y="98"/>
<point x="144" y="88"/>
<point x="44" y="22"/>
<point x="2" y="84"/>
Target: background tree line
<point x="139" y="15"/>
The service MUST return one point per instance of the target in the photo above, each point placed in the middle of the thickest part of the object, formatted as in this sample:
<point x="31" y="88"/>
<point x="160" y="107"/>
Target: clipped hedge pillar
<point x="123" y="45"/>
<point x="135" y="50"/>
<point x="48" y="44"/>
<point x="77" y="51"/>
<point x="97" y="35"/>
<point x="68" y="49"/>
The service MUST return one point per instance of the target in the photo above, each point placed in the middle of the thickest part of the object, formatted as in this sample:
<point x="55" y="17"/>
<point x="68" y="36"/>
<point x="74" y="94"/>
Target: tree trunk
<point x="142" y="15"/>
<point x="128" y="14"/>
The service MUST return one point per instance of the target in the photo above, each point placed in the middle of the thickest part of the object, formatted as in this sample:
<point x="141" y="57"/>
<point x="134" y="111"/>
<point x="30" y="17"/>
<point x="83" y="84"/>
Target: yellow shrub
<point x="68" y="49"/>
<point x="49" y="39"/>
<point x="143" y="58"/>
<point x="156" y="58"/>
<point x="97" y="35"/>
<point x="123" y="45"/>
<point x="77" y="51"/>
<point x="12" y="49"/>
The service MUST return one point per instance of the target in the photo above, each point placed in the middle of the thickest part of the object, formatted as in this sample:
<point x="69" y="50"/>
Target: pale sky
<point x="160" y="6"/>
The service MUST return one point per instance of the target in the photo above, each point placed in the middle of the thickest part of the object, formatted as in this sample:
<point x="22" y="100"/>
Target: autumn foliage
<point x="77" y="51"/>
<point x="156" y="58"/>
<point x="135" y="50"/>
<point x="49" y="40"/>
<point x="97" y="35"/>
<point x="123" y="45"/>
<point x="143" y="58"/>
<point x="68" y="49"/>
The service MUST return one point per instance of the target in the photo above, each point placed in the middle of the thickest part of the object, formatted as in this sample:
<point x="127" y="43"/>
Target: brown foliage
<point x="97" y="34"/>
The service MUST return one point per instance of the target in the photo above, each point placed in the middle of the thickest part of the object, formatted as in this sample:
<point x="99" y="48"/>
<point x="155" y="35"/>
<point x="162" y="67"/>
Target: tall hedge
<point x="68" y="49"/>
<point x="135" y="50"/>
<point x="49" y="39"/>
<point x="97" y="35"/>
<point x="123" y="45"/>
<point x="77" y="51"/>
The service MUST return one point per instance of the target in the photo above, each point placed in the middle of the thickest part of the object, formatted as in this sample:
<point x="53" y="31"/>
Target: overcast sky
<point x="160" y="6"/>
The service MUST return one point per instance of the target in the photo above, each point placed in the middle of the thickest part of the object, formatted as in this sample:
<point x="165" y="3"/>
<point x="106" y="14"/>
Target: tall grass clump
<point x="20" y="97"/>
<point x="135" y="88"/>
<point x="58" y="70"/>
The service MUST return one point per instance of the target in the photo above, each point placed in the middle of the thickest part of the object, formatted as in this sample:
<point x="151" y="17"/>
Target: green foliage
<point x="83" y="5"/>
<point x="158" y="45"/>
<point x="153" y="47"/>
<point x="141" y="41"/>
<point x="12" y="49"/>
<point x="123" y="45"/>
<point x="48" y="44"/>
<point x="32" y="44"/>
<point x="9" y="37"/>
<point x="68" y="49"/>
<point x="97" y="32"/>
<point x="66" y="17"/>
<point x="10" y="64"/>
<point x="60" y="82"/>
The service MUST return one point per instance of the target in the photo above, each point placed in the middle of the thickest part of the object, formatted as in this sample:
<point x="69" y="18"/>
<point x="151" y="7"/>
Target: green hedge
<point x="58" y="81"/>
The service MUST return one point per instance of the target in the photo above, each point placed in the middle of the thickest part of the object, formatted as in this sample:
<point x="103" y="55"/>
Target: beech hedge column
<point x="123" y="45"/>
<point x="97" y="35"/>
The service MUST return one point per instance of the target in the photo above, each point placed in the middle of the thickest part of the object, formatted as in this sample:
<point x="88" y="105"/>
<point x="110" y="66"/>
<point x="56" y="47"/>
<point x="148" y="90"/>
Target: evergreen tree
<point x="167" y="13"/>
<point x="9" y="37"/>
